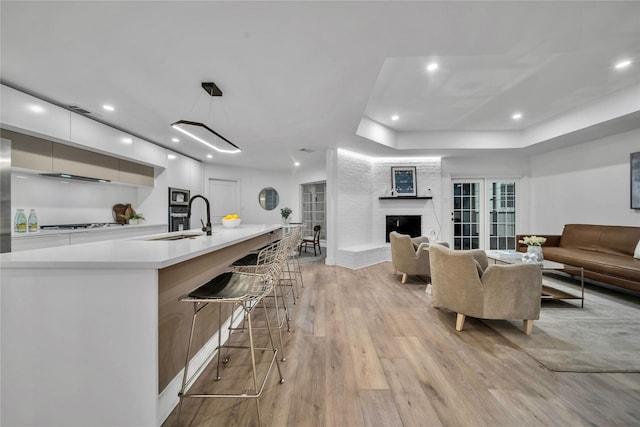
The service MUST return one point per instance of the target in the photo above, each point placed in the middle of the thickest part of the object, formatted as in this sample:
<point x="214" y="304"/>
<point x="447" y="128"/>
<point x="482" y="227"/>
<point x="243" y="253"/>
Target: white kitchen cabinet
<point x="27" y="114"/>
<point x="75" y="161"/>
<point x="148" y="153"/>
<point x="178" y="170"/>
<point x="90" y="133"/>
<point x="185" y="172"/>
<point x="196" y="177"/>
<point x="38" y="241"/>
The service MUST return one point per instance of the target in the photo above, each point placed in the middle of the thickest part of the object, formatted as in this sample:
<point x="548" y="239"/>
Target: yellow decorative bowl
<point x="231" y="223"/>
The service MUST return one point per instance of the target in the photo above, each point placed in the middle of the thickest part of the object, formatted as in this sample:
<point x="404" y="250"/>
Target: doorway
<point x="223" y="196"/>
<point x="314" y="208"/>
<point x="484" y="213"/>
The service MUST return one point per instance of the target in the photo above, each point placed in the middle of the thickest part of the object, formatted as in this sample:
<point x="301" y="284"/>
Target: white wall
<point x="491" y="166"/>
<point x="427" y="178"/>
<point x="354" y="200"/>
<point x="587" y="183"/>
<point x="357" y="219"/>
<point x="251" y="181"/>
<point x="152" y="202"/>
<point x="57" y="201"/>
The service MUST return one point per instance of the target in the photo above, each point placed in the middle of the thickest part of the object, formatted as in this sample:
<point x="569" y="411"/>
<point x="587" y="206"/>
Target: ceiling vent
<point x="78" y="109"/>
<point x="307" y="150"/>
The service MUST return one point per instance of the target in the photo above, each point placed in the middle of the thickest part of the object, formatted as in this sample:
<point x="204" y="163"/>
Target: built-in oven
<point x="178" y="208"/>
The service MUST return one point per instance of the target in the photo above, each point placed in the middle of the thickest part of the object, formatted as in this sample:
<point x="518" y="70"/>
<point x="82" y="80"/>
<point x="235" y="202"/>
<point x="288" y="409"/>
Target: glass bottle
<point x="20" y="222"/>
<point x="33" y="221"/>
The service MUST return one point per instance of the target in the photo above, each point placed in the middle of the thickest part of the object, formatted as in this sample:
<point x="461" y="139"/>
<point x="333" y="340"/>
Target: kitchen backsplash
<point x="67" y="202"/>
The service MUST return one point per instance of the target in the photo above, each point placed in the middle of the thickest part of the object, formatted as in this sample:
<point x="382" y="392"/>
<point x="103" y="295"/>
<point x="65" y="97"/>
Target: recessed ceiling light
<point x="36" y="108"/>
<point x="175" y="140"/>
<point x="296" y="164"/>
<point x="623" y="64"/>
<point x="516" y="116"/>
<point x="209" y="156"/>
<point x="433" y="66"/>
<point x="108" y="107"/>
<point x="395" y="117"/>
<point x="171" y="156"/>
<point x="127" y="140"/>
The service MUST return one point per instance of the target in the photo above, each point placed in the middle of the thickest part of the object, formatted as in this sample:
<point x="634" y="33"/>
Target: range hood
<point x="74" y="177"/>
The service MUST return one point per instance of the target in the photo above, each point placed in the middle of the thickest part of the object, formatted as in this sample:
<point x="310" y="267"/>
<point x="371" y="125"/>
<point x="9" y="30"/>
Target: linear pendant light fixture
<point x="203" y="133"/>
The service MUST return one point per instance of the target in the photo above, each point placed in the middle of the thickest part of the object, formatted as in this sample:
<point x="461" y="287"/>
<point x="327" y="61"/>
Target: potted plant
<point x="135" y="218"/>
<point x="534" y="249"/>
<point x="285" y="212"/>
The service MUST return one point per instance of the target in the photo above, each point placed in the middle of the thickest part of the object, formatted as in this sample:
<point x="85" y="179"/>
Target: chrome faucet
<point x="207" y="227"/>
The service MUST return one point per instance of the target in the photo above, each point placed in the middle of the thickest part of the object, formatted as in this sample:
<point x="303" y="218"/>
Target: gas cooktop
<point x="77" y="226"/>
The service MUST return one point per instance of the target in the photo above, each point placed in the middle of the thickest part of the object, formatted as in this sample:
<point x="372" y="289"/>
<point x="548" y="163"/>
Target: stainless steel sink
<point x="175" y="237"/>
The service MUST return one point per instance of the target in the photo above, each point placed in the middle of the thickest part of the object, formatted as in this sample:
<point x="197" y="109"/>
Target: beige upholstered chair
<point x="409" y="256"/>
<point x="462" y="282"/>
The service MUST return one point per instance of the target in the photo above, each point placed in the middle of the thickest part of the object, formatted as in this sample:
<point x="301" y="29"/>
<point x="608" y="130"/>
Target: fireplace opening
<point x="404" y="224"/>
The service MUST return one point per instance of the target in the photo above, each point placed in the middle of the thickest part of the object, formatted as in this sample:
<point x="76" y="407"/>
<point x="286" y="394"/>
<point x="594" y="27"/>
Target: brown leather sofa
<point x="604" y="251"/>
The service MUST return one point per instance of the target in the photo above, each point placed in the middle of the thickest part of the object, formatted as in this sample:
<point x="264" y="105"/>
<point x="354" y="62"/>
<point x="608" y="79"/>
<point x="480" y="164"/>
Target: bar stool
<point x="251" y="263"/>
<point x="246" y="290"/>
<point x="293" y="261"/>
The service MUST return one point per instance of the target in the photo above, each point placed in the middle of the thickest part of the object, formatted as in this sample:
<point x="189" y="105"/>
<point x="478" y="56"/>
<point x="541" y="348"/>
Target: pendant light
<point x="203" y="133"/>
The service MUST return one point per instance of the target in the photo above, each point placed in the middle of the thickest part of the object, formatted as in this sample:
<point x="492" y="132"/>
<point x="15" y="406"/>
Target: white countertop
<point x="123" y="227"/>
<point x="134" y="253"/>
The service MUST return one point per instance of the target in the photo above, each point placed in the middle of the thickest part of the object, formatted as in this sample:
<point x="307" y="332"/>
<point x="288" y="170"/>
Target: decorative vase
<point x="533" y="255"/>
<point x="285" y="220"/>
<point x="128" y="211"/>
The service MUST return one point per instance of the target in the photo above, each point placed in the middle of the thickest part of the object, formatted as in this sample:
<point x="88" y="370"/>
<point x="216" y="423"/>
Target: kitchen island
<point x="94" y="334"/>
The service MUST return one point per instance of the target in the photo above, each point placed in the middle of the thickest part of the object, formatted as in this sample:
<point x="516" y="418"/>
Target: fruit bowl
<point x="231" y="223"/>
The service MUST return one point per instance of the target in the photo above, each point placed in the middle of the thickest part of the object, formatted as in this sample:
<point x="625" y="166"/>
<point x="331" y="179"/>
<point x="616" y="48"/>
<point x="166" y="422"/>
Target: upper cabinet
<point x="29" y="152"/>
<point x="40" y="155"/>
<point x="185" y="172"/>
<point x="26" y="113"/>
<point x="148" y="153"/>
<point x="32" y="116"/>
<point x="75" y="161"/>
<point x="135" y="173"/>
<point x="178" y="170"/>
<point x="89" y="133"/>
<point x="196" y="177"/>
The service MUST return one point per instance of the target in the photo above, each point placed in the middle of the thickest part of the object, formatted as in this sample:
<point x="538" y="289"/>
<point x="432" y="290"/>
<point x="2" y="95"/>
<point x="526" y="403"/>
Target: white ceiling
<point x="303" y="74"/>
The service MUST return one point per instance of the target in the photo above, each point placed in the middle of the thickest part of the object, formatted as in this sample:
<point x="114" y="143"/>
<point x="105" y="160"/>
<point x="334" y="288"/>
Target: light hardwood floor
<point x="368" y="351"/>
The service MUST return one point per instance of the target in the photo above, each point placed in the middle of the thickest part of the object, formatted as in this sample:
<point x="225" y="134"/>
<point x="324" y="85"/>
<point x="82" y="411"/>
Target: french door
<point x="314" y="208"/>
<point x="484" y="214"/>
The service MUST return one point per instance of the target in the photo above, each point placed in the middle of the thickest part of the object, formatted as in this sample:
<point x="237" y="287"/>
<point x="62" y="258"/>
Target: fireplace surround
<point x="403" y="224"/>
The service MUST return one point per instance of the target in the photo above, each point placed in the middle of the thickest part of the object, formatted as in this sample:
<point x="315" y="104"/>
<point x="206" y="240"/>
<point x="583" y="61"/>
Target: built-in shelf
<point x="406" y="198"/>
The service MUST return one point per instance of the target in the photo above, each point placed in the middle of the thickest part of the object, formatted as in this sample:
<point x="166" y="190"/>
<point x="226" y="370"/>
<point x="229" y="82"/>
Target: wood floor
<point x="368" y="351"/>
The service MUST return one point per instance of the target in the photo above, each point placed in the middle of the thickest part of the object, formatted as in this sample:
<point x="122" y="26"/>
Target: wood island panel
<point x="174" y="317"/>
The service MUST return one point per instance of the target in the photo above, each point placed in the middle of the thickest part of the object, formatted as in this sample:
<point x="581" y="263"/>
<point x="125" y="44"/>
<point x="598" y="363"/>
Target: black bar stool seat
<point x="246" y="290"/>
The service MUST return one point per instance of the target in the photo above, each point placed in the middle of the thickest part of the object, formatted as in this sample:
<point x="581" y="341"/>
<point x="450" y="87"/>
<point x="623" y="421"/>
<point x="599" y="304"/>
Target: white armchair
<point x="410" y="256"/>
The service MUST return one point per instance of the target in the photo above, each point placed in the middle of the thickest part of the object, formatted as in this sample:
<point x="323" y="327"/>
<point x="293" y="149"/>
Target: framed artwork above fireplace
<point x="403" y="181"/>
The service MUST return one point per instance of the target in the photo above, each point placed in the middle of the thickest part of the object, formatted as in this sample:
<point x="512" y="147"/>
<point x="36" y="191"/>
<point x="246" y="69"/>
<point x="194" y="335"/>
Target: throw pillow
<point x="636" y="254"/>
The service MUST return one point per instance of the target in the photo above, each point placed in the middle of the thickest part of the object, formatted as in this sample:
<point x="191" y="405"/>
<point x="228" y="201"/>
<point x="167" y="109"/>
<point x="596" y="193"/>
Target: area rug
<point x="310" y="257"/>
<point x="604" y="336"/>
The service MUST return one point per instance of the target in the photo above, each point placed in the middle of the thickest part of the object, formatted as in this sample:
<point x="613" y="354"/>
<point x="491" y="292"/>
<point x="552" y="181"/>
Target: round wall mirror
<point x="268" y="198"/>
